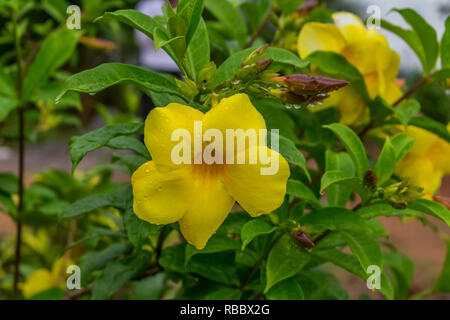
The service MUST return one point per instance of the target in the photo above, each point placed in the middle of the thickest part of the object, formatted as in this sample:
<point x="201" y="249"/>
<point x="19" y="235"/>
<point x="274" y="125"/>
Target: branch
<point x="260" y="28"/>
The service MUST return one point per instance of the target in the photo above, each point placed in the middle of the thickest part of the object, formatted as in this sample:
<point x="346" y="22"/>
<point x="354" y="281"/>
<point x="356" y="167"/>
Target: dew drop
<point x="57" y="101"/>
<point x="91" y="93"/>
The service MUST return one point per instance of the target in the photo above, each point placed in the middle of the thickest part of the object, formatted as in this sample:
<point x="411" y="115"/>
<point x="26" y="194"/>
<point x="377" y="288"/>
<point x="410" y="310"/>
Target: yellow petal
<point x="351" y="26"/>
<point x="423" y="140"/>
<point x="421" y="172"/>
<point x="160" y="197"/>
<point x="159" y="126"/>
<point x="235" y="112"/>
<point x="319" y="36"/>
<point x="439" y="153"/>
<point x="59" y="269"/>
<point x="257" y="193"/>
<point x="39" y="281"/>
<point x="209" y="206"/>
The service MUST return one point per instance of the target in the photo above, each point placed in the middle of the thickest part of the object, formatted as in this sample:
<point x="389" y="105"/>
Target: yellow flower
<point x="200" y="196"/>
<point x="367" y="50"/>
<point x="427" y="161"/>
<point x="43" y="279"/>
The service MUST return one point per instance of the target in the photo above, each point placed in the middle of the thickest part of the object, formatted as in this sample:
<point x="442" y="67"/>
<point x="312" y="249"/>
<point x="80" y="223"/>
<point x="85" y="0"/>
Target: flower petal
<point x="319" y="36"/>
<point x="161" y="122"/>
<point x="39" y="281"/>
<point x="209" y="206"/>
<point x="351" y="26"/>
<point x="258" y="194"/>
<point x="160" y="197"/>
<point x="421" y="172"/>
<point x="235" y="112"/>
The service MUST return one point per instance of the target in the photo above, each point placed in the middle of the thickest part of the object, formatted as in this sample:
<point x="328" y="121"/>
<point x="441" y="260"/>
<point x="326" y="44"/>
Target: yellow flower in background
<point x="200" y="196"/>
<point x="427" y="161"/>
<point x="367" y="50"/>
<point x="44" y="279"/>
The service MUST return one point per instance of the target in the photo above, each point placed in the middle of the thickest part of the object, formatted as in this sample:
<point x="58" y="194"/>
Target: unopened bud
<point x="301" y="239"/>
<point x="288" y="97"/>
<point x="370" y="179"/>
<point x="306" y="8"/>
<point x="309" y="85"/>
<point x="255" y="55"/>
<point x="207" y="73"/>
<point x="188" y="88"/>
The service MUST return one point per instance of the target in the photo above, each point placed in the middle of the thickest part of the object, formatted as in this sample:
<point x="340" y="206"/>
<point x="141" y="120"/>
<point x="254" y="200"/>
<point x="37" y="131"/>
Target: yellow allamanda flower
<point x="44" y="279"/>
<point x="427" y="161"/>
<point x="367" y="50"/>
<point x="200" y="196"/>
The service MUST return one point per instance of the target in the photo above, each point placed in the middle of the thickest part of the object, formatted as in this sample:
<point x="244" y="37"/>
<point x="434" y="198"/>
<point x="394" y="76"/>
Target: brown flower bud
<point x="255" y="55"/>
<point x="288" y="97"/>
<point x="301" y="239"/>
<point x="370" y="179"/>
<point x="309" y="85"/>
<point x="306" y="8"/>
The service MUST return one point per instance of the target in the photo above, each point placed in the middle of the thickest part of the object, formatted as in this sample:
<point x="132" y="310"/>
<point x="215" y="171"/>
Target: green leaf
<point x="365" y="248"/>
<point x="9" y="183"/>
<point x="337" y="194"/>
<point x="159" y="37"/>
<point x="172" y="258"/>
<point x="282" y="56"/>
<point x="218" y="267"/>
<point x="141" y="22"/>
<point x="431" y="125"/>
<point x="333" y="177"/>
<point x="6" y="84"/>
<point x="118" y="198"/>
<point x="443" y="282"/>
<point x="129" y="143"/>
<point x="410" y="37"/>
<point x="445" y="46"/>
<point x="288" y="6"/>
<point x="150" y="288"/>
<point x="336" y="65"/>
<point x="401" y="144"/>
<point x="432" y="208"/>
<point x="224" y="294"/>
<point x="379" y="110"/>
<point x="137" y="229"/>
<point x="386" y="210"/>
<point x="176" y="26"/>
<point x="327" y="287"/>
<point x="195" y="19"/>
<point x="117" y="273"/>
<point x="109" y="74"/>
<point x="285" y="260"/>
<point x="288" y="289"/>
<point x="385" y="166"/>
<point x="292" y="155"/>
<point x="343" y="260"/>
<point x="254" y="228"/>
<point x="197" y="54"/>
<point x="353" y="145"/>
<point x="402" y="270"/>
<point x="332" y="218"/>
<point x="300" y="190"/>
<point x="96" y="260"/>
<point x="386" y="287"/>
<point x="426" y="34"/>
<point x="56" y="49"/>
<point x="230" y="17"/>
<point x="407" y="110"/>
<point x="80" y="145"/>
<point x="217" y="243"/>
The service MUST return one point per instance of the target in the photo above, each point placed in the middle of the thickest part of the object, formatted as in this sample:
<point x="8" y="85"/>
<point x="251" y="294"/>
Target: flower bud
<point x="255" y="55"/>
<point x="288" y="97"/>
<point x="301" y="239"/>
<point x="206" y="74"/>
<point x="309" y="85"/>
<point x="306" y="8"/>
<point x="370" y="179"/>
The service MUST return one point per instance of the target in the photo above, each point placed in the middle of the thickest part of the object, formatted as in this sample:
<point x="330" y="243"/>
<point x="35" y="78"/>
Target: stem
<point x="260" y="28"/>
<point x="413" y="89"/>
<point x="21" y="161"/>
<point x="260" y="260"/>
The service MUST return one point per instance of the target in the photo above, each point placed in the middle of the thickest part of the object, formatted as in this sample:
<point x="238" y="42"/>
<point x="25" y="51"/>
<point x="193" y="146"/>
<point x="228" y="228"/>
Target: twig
<point x="411" y="90"/>
<point x="21" y="161"/>
<point x="259" y="261"/>
<point x="260" y="28"/>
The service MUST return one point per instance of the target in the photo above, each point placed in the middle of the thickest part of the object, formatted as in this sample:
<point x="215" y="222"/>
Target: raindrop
<point x="57" y="101"/>
<point x="91" y="93"/>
